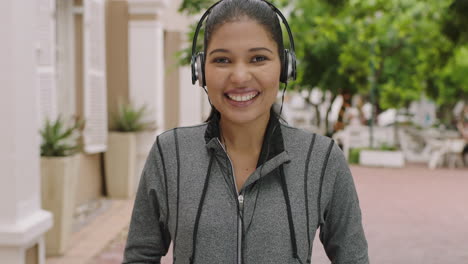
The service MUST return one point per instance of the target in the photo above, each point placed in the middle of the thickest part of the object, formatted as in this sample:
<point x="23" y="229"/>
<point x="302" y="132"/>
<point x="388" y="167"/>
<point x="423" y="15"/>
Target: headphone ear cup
<point x="193" y="66"/>
<point x="292" y="66"/>
<point x="285" y="67"/>
<point x="288" y="71"/>
<point x="200" y="69"/>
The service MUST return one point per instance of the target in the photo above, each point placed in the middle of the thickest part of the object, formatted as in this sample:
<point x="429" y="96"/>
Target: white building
<point x="80" y="57"/>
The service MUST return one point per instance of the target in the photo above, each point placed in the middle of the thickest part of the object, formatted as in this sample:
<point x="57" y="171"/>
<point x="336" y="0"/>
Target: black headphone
<point x="288" y="67"/>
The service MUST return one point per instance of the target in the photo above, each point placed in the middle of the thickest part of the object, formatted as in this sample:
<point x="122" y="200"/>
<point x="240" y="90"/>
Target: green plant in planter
<point x="129" y="119"/>
<point x="386" y="147"/>
<point x="354" y="155"/>
<point x="383" y="147"/>
<point x="59" y="140"/>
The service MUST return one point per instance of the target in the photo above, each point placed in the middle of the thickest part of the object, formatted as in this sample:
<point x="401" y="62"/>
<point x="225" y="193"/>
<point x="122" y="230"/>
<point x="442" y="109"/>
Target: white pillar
<point x="22" y="222"/>
<point x="192" y="98"/>
<point x="146" y="57"/>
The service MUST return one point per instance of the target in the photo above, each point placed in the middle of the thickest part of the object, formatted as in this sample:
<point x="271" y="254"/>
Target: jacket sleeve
<point x="341" y="230"/>
<point x="148" y="237"/>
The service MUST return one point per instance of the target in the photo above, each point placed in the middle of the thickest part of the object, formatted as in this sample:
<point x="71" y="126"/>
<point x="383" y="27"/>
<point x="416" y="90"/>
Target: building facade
<point x="81" y="58"/>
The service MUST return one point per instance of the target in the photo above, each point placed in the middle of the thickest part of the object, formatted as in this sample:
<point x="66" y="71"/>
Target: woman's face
<point x="242" y="71"/>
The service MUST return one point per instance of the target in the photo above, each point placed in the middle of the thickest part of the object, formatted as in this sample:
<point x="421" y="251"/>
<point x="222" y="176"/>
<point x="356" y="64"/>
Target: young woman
<point x="243" y="187"/>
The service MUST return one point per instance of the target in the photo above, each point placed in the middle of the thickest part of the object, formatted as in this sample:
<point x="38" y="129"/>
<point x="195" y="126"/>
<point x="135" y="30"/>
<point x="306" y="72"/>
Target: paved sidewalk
<point x="414" y="215"/>
<point x="411" y="216"/>
<point x="96" y="236"/>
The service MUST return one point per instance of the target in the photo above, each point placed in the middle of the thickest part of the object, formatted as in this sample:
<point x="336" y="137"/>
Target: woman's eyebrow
<point x="219" y="50"/>
<point x="250" y="50"/>
<point x="260" y="49"/>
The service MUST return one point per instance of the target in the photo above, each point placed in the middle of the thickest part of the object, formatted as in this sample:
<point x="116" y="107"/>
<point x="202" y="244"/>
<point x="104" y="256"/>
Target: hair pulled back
<point x="236" y="10"/>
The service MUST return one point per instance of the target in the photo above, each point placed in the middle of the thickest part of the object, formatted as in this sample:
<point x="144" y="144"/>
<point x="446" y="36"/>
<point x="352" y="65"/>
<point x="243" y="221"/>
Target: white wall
<point x="65" y="68"/>
<point x="175" y="21"/>
<point x="146" y="58"/>
<point x="192" y="98"/>
<point x="146" y="69"/>
<point x="22" y="222"/>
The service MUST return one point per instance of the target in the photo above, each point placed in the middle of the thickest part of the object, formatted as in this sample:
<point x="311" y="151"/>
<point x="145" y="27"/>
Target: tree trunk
<point x="396" y="137"/>
<point x="318" y="119"/>
<point x="327" y="125"/>
<point x="444" y="114"/>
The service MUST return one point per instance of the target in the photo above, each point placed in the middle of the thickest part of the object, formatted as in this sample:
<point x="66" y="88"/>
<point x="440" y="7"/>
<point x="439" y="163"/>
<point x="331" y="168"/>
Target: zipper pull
<point x="241" y="202"/>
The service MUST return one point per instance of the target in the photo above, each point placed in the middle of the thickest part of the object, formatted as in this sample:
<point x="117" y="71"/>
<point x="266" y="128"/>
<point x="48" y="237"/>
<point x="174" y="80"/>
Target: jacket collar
<point x="272" y="146"/>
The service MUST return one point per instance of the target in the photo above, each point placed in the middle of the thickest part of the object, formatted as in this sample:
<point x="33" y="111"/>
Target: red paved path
<point x="410" y="216"/>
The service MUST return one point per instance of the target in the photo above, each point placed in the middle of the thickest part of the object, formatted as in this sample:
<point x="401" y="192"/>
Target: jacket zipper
<point x="240" y="199"/>
<point x="240" y="228"/>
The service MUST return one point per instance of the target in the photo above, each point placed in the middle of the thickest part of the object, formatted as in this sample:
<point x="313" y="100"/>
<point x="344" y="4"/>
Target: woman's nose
<point x="241" y="74"/>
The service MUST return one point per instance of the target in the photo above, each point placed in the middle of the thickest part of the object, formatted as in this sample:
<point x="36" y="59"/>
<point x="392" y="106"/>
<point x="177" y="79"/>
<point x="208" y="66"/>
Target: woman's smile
<point x="241" y="98"/>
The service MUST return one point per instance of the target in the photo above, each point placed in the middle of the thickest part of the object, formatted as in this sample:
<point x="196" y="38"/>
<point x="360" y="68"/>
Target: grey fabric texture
<point x="173" y="180"/>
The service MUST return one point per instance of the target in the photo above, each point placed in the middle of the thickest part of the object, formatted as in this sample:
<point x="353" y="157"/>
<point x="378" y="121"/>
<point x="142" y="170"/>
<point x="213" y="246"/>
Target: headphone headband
<point x="285" y="22"/>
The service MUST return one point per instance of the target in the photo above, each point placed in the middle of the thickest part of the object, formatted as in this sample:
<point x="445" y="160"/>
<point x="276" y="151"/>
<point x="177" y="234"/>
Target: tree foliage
<point x="455" y="23"/>
<point x="407" y="47"/>
<point x="396" y="43"/>
<point x="192" y="7"/>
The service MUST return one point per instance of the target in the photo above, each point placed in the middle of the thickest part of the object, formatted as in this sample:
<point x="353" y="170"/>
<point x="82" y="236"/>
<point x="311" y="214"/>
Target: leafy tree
<point x="320" y="30"/>
<point x="192" y="7"/>
<point x="456" y="21"/>
<point x="402" y="48"/>
<point x="451" y="84"/>
<point x="345" y="45"/>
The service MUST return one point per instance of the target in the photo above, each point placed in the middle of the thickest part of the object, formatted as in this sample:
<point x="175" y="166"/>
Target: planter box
<point x="120" y="165"/>
<point x="380" y="158"/>
<point x="59" y="177"/>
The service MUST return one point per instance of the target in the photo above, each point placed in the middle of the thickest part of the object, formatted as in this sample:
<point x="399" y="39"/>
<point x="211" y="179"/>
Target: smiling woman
<point x="244" y="187"/>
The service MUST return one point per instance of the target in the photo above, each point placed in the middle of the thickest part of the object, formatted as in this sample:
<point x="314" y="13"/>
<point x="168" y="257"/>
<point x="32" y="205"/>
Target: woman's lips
<point x="241" y="99"/>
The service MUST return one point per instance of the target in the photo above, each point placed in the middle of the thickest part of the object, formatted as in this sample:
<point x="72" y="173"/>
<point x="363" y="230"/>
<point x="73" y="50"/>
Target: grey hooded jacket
<point x="187" y="194"/>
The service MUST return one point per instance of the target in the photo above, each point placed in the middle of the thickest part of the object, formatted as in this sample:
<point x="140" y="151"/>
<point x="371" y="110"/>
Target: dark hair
<point x="232" y="10"/>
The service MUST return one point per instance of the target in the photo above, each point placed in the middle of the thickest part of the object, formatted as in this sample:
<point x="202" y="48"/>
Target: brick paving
<point x="94" y="238"/>
<point x="411" y="216"/>
<point x="414" y="215"/>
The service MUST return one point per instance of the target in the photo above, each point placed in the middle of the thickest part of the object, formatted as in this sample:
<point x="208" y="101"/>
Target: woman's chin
<point x="247" y="112"/>
<point x="244" y="117"/>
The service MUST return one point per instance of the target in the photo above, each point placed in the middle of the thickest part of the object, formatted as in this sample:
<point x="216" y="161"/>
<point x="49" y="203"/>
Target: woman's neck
<point x="244" y="138"/>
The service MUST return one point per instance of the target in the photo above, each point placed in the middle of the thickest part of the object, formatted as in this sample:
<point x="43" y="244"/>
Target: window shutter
<point x="95" y="102"/>
<point x="45" y="48"/>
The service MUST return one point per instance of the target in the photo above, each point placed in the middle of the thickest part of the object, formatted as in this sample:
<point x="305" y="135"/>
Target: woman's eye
<point x="259" y="59"/>
<point x="221" y="60"/>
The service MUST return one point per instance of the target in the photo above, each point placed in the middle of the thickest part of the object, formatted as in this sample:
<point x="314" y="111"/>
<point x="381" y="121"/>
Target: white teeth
<point x="242" y="98"/>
